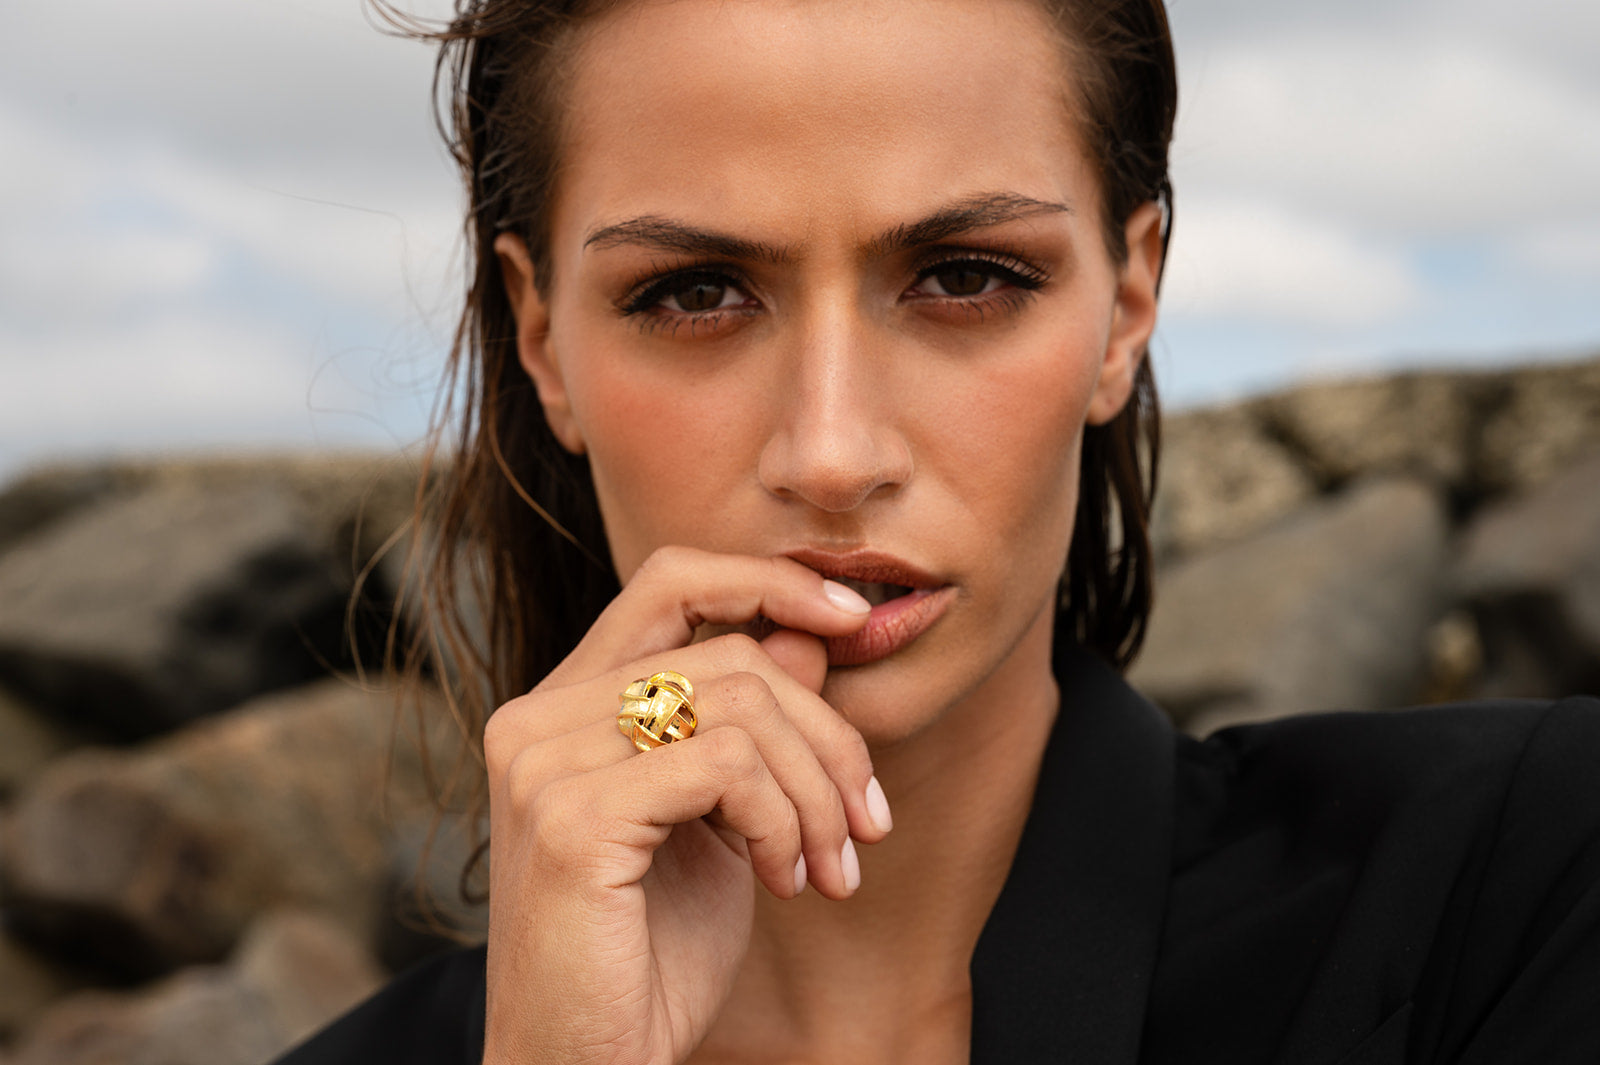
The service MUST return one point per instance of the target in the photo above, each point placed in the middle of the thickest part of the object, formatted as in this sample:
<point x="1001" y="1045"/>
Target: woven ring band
<point x="657" y="710"/>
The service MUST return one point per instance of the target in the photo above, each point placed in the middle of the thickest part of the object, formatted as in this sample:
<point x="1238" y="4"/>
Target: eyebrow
<point x="973" y="212"/>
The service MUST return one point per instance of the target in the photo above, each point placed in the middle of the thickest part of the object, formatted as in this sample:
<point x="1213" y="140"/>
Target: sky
<point x="231" y="225"/>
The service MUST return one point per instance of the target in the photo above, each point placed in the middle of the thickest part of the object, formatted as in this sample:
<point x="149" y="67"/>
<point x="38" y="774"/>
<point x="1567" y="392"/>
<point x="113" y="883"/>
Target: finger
<point x="835" y="742"/>
<point x="799" y="654"/>
<point x="679" y="589"/>
<point x="636" y="802"/>
<point x="738" y="700"/>
<point x="745" y="701"/>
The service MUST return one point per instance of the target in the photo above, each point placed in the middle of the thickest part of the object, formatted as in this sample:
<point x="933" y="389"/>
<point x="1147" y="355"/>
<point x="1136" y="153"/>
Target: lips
<point x="906" y="601"/>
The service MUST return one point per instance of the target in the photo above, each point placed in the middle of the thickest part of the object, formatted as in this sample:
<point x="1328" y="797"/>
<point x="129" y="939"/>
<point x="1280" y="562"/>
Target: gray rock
<point x="306" y="970"/>
<point x="1529" y="570"/>
<point x="29" y="982"/>
<point x="1221" y="477"/>
<point x="158" y="857"/>
<point x="1548" y="419"/>
<point x="293" y="974"/>
<point x="147" y="612"/>
<point x="27" y="743"/>
<point x="1421" y="424"/>
<point x="46" y="495"/>
<point x="1328" y="609"/>
<point x="357" y="499"/>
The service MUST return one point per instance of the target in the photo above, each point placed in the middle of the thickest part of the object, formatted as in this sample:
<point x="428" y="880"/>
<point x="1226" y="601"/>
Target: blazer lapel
<point x="1063" y="966"/>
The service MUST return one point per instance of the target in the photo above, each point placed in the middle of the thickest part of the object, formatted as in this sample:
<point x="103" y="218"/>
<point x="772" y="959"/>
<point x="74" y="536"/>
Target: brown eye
<point x="700" y="296"/>
<point x="961" y="280"/>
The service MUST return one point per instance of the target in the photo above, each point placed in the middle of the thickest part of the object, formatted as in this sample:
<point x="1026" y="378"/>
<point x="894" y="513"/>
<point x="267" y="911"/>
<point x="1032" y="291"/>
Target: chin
<point x="885" y="702"/>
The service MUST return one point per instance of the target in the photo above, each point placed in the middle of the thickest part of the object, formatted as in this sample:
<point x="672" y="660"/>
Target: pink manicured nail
<point x="878" y="806"/>
<point x="800" y="875"/>
<point x="845" y="599"/>
<point x="852" y="865"/>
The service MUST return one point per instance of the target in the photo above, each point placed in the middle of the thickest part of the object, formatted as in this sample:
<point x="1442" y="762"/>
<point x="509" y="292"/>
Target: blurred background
<point x="232" y="224"/>
<point x="228" y="276"/>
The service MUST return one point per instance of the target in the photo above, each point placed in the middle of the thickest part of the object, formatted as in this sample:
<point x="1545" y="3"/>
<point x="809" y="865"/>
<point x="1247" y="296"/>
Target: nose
<point x="835" y="442"/>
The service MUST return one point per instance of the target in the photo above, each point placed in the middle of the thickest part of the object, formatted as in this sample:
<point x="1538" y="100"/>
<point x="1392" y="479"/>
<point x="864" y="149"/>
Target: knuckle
<point x="554" y="824"/>
<point x="733" y="754"/>
<point x="499" y="739"/>
<point x="505" y="733"/>
<point x="847" y="750"/>
<point x="746" y="697"/>
<point x="665" y="563"/>
<point x="734" y="652"/>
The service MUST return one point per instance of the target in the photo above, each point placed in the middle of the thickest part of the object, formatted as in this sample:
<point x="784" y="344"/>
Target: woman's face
<point x="828" y="281"/>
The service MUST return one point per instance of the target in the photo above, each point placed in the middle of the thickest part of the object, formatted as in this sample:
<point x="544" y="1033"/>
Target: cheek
<point x="663" y="452"/>
<point x="1014" y="447"/>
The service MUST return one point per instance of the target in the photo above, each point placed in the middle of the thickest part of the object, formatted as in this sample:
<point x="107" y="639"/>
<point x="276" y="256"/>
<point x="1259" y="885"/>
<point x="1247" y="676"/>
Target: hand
<point x="621" y="883"/>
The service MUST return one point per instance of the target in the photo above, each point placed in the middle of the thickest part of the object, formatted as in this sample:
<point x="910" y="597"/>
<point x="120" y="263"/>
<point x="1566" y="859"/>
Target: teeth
<point x="874" y="593"/>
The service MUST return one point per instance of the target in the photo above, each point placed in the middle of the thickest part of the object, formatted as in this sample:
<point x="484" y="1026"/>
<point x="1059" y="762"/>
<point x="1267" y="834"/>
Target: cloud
<point x="257" y="86"/>
<point x="1235" y="258"/>
<point x="1568" y="250"/>
<point x="1422" y="138"/>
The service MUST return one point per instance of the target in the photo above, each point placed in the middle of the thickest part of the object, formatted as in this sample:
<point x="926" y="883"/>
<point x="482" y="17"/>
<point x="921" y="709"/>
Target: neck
<point x="898" y="950"/>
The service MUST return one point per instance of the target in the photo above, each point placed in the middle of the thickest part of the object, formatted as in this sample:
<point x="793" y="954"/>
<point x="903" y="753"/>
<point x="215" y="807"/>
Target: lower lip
<point x="890" y="627"/>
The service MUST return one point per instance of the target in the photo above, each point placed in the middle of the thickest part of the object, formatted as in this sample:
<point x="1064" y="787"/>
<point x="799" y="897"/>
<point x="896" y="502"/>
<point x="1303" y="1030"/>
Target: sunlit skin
<point x="830" y="274"/>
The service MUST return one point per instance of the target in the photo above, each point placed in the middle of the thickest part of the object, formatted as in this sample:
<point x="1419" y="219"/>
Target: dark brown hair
<point x="510" y="566"/>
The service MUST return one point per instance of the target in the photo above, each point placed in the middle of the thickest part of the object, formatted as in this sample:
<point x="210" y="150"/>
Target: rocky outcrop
<point x="294" y="972"/>
<point x="1327" y="609"/>
<point x="29" y="740"/>
<point x="1529" y="572"/>
<point x="135" y="597"/>
<point x="150" y="611"/>
<point x="158" y="857"/>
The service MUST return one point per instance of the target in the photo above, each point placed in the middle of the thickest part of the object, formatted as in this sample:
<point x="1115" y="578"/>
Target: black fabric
<point x="1415" y="886"/>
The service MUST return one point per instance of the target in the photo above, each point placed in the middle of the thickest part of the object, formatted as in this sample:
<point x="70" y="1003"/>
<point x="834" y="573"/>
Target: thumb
<point x="800" y="654"/>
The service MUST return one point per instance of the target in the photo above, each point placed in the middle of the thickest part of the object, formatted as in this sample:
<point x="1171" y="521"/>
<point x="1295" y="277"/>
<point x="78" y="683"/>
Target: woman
<point x="817" y="328"/>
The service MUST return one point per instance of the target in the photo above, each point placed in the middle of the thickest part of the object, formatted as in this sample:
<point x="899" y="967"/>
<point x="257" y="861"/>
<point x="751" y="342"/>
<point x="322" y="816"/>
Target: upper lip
<point x="871" y="567"/>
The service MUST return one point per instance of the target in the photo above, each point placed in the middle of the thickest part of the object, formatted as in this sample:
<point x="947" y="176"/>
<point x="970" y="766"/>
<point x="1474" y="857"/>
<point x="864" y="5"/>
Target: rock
<point x="293" y="974"/>
<point x="43" y="496"/>
<point x="1529" y="570"/>
<point x="147" y="612"/>
<point x="1548" y="420"/>
<point x="27" y="742"/>
<point x="306" y="969"/>
<point x="1421" y="424"/>
<point x="28" y="983"/>
<point x="194" y="1017"/>
<point x="357" y="499"/>
<point x="1455" y="658"/>
<point x="1221" y="477"/>
<point x="1328" y="609"/>
<point x="158" y="857"/>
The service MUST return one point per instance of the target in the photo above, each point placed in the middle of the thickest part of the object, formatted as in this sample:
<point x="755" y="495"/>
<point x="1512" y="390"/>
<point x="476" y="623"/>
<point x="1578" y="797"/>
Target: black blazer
<point x="1335" y="889"/>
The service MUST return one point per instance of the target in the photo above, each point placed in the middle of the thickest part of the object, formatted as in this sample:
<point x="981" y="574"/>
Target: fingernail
<point x="846" y="599"/>
<point x="800" y="875"/>
<point x="852" y="865"/>
<point x="878" y="806"/>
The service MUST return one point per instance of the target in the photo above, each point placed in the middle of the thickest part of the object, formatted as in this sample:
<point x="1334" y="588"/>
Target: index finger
<point x="679" y="589"/>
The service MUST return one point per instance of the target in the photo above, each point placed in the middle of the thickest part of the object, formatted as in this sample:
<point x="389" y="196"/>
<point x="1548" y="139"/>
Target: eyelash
<point x="644" y="297"/>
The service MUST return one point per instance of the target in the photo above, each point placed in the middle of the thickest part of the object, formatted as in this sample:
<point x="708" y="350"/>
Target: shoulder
<point x="1476" y="761"/>
<point x="432" y="1013"/>
<point x="1441" y="862"/>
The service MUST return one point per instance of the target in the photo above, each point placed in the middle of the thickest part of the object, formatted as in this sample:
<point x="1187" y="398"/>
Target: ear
<point x="535" y="351"/>
<point x="1133" y="318"/>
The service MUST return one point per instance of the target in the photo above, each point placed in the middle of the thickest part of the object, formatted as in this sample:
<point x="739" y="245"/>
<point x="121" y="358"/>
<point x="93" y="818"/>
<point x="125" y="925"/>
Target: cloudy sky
<point x="228" y="222"/>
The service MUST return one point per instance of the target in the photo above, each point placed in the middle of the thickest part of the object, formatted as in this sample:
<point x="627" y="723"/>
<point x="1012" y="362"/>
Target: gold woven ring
<point x="657" y="710"/>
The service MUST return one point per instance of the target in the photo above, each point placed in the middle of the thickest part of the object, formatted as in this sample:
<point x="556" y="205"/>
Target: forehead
<point x="789" y="115"/>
